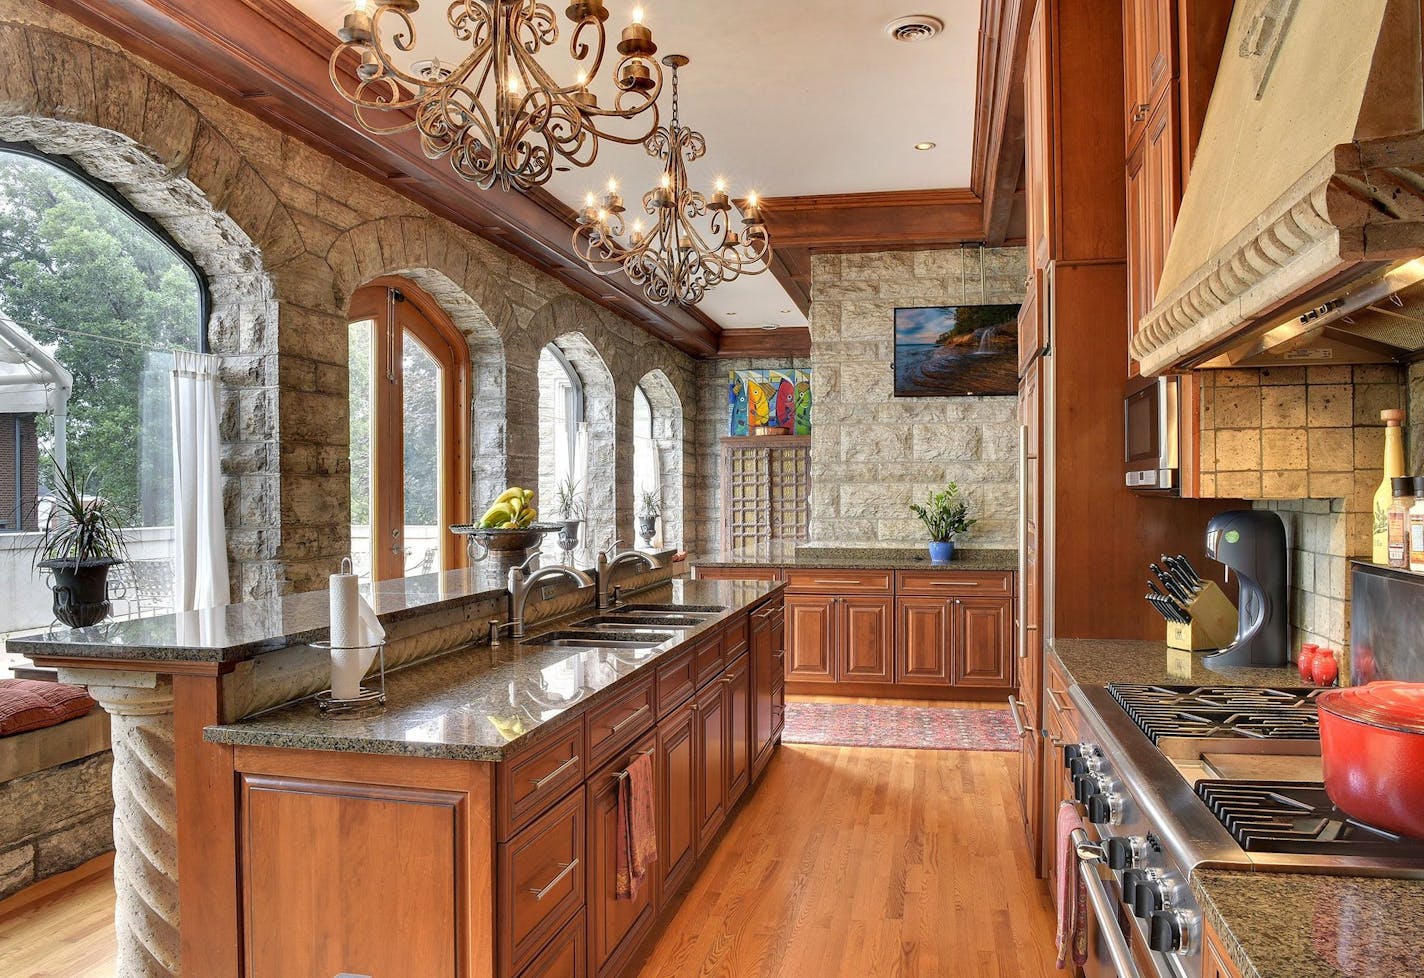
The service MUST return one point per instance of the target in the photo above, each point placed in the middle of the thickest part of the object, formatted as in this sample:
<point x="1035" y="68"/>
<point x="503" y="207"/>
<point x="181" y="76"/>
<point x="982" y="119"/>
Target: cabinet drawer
<point x="1056" y="687"/>
<point x="566" y="956"/>
<point x="738" y="573"/>
<point x="617" y="723"/>
<point x="677" y="680"/>
<point x="736" y="638"/>
<point x="542" y="881"/>
<point x="991" y="584"/>
<point x="838" y="581"/>
<point x="769" y="612"/>
<point x="535" y="779"/>
<point x="710" y="659"/>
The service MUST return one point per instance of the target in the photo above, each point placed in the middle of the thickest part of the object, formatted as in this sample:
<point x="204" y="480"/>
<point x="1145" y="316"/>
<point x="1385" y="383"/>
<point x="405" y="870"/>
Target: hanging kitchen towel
<point x="1072" y="892"/>
<point x="637" y="828"/>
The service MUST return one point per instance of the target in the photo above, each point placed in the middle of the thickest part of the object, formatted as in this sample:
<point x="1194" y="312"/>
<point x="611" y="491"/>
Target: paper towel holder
<point x="374" y="695"/>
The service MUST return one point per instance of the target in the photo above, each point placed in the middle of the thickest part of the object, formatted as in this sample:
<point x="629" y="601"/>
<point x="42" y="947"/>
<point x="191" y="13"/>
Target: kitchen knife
<point x="1171" y="611"/>
<point x="1152" y="600"/>
<point x="1180" y="574"/>
<point x="1186" y="565"/>
<point x="1169" y="585"/>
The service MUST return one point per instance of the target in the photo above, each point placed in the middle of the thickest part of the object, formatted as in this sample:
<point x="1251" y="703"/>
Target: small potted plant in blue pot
<point x="945" y="515"/>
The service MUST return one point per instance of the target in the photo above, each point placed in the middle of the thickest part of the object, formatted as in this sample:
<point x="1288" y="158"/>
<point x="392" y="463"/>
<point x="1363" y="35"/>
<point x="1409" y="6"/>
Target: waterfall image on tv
<point x="957" y="351"/>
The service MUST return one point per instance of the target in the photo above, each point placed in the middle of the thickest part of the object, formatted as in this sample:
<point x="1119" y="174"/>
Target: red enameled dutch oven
<point x="1372" y="746"/>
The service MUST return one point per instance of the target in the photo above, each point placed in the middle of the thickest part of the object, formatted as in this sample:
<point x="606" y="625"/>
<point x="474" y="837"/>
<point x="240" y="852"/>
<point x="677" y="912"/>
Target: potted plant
<point x="80" y="541"/>
<point x="569" y="504"/>
<point x="650" y="508"/>
<point x="945" y="515"/>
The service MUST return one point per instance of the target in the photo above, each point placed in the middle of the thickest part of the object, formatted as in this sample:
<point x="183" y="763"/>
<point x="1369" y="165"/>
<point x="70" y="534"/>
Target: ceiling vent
<point x="911" y="30"/>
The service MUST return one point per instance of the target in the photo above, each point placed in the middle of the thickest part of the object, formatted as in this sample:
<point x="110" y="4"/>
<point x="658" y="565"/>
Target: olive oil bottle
<point x="1393" y="468"/>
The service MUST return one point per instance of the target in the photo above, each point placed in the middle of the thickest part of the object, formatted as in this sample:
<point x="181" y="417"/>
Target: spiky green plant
<point x="81" y="526"/>
<point x="944" y="514"/>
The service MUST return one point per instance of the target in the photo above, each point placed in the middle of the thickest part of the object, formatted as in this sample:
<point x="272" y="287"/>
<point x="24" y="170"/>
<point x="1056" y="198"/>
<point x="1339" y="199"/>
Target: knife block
<point x="1213" y="624"/>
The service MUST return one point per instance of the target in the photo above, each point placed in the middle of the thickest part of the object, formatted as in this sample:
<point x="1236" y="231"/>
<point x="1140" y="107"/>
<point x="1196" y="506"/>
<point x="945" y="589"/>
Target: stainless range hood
<point x="1301" y="229"/>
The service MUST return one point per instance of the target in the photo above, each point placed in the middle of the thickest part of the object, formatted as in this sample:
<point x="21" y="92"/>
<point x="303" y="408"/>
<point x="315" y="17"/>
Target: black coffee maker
<point x="1252" y="543"/>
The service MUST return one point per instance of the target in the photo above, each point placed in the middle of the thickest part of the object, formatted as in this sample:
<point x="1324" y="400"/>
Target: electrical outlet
<point x="546" y="592"/>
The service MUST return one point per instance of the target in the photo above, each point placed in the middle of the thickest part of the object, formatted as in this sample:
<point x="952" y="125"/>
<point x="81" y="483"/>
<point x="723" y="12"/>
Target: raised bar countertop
<point x="484" y="705"/>
<point x="1280" y="925"/>
<point x="858" y="558"/>
<point x="238" y="632"/>
<point x="1101" y="661"/>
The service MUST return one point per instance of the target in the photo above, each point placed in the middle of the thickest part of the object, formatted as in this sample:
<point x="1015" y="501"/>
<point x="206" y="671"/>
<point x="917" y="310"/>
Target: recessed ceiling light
<point x="770" y="326"/>
<point x="925" y="147"/>
<point x="729" y="314"/>
<point x="561" y="169"/>
<point x="785" y="311"/>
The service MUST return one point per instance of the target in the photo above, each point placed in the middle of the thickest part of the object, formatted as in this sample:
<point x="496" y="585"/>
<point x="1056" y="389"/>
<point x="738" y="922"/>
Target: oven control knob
<point x="1105" y="808"/>
<point x="1170" y="931"/>
<point x="1131" y="880"/>
<point x="1086" y="787"/>
<point x="1124" y="851"/>
<point x="1071" y="752"/>
<point x="1146" y="898"/>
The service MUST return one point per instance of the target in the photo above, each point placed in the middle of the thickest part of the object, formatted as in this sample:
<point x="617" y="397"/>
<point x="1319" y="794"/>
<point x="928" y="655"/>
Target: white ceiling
<point x="795" y="97"/>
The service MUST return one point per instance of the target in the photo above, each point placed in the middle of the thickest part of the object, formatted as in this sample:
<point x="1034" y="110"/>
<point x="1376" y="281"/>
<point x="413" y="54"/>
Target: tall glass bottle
<point x="1393" y="467"/>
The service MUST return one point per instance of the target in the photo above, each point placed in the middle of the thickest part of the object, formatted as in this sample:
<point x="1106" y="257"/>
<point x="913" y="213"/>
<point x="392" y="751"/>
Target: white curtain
<point x="200" y="541"/>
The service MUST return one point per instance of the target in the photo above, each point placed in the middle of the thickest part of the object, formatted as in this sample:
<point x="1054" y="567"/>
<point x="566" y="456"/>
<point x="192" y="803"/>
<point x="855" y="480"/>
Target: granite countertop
<point x="238" y="632"/>
<point x="1101" y="661"/>
<point x="1278" y="925"/>
<point x="484" y="704"/>
<point x="865" y="558"/>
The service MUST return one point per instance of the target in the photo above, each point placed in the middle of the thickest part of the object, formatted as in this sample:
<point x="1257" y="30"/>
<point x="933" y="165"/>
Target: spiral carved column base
<point x="145" y="821"/>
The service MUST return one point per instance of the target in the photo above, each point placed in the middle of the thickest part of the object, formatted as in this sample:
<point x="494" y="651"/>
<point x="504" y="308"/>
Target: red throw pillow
<point x="31" y="704"/>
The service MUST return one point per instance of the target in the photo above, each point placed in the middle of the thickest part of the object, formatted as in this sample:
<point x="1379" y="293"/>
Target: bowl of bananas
<point x="509" y="525"/>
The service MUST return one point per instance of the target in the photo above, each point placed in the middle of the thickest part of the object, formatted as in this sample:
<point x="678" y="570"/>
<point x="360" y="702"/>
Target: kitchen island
<point x="476" y="815"/>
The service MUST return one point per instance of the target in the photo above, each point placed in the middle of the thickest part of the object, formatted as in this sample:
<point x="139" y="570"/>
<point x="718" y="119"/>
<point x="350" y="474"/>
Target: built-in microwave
<point x="1152" y="434"/>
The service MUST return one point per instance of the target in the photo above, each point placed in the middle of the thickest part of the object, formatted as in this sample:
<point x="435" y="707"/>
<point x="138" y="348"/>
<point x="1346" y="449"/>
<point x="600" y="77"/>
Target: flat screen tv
<point x="957" y="351"/>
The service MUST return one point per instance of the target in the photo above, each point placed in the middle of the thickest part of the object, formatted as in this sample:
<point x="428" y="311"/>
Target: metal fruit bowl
<point x="505" y="540"/>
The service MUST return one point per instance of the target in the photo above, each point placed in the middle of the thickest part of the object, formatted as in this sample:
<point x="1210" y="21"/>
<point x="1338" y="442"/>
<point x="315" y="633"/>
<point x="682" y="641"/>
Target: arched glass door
<point x="410" y="463"/>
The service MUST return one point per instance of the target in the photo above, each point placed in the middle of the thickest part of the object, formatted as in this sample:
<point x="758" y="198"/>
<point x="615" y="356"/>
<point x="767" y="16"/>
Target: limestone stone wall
<point x="54" y="820"/>
<point x="873" y="453"/>
<point x="285" y="236"/>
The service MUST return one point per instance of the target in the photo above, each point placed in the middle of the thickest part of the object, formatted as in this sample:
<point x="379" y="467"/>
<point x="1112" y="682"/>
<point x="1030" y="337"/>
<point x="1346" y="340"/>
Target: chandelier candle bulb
<point x="637" y="38"/>
<point x="584" y="9"/>
<point x="719" y="201"/>
<point x="356" y="25"/>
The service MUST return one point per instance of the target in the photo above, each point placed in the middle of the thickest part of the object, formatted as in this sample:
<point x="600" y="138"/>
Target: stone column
<point x="140" y="708"/>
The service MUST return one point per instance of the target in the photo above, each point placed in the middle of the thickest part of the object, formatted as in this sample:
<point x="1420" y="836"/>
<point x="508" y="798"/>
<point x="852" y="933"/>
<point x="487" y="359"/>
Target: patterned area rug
<point x="919" y="727"/>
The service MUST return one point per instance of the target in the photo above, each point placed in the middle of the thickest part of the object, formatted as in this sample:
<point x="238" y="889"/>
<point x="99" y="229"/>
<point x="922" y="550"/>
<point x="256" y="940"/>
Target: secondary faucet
<point x="610" y="559"/>
<point x="522" y="584"/>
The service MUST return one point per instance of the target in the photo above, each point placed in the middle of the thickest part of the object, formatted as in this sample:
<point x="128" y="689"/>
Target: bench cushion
<point x="28" y="704"/>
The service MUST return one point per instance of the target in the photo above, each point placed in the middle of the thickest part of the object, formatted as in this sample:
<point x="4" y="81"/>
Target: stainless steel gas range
<point x="1172" y="779"/>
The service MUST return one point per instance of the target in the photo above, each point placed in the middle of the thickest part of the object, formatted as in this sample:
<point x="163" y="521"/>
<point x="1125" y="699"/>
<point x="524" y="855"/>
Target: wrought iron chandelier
<point x="691" y="246"/>
<point x="497" y="114"/>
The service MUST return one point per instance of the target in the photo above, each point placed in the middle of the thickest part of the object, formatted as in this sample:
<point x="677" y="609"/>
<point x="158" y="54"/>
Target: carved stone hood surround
<point x="1309" y="174"/>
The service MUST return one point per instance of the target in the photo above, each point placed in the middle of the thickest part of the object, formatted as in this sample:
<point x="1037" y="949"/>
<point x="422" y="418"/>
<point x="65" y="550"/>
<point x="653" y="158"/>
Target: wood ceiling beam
<point x="271" y="60"/>
<point x="783" y="341"/>
<point x="998" y="161"/>
<point x="900" y="219"/>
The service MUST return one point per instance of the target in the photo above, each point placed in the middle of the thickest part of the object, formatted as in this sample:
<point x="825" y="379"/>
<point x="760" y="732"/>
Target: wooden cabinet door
<point x="764" y="667"/>
<point x="711" y="763"/>
<point x="1030" y="789"/>
<point x="923" y="638"/>
<point x="984" y="642"/>
<point x="810" y="638"/>
<point x="615" y="926"/>
<point x="866" y="638"/>
<point x="310" y="898"/>
<point x="738" y="705"/>
<point x="1139" y="233"/>
<point x="678" y="771"/>
<point x="1030" y="327"/>
<point x="1216" y="961"/>
<point x="1038" y="96"/>
<point x="1149" y="58"/>
<point x="1161" y="166"/>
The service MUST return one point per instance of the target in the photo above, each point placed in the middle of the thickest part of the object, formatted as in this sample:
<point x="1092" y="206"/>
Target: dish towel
<point x="637" y="828"/>
<point x="1072" y="892"/>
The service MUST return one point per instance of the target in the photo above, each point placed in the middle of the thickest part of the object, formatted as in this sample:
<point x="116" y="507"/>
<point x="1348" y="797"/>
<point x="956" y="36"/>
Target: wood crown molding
<point x="269" y="59"/>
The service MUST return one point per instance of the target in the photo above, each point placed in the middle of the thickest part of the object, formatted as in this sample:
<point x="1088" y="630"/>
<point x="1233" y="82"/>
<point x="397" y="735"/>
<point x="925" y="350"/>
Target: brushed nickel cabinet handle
<point x="540" y="782"/>
<point x="953" y="583"/>
<point x="1057" y="701"/>
<point x="628" y="719"/>
<point x="841" y="583"/>
<point x="564" y="871"/>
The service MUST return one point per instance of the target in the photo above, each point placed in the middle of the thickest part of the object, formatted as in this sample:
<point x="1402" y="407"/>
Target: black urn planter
<point x="81" y="590"/>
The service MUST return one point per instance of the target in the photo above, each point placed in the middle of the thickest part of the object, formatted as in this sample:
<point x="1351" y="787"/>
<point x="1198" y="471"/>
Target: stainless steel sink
<point x="677" y="609"/>
<point x="601" y="639"/>
<point x="645" y="619"/>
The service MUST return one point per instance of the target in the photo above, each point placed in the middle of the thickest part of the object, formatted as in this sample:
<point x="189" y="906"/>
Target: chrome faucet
<point x="610" y="559"/>
<point x="522" y="584"/>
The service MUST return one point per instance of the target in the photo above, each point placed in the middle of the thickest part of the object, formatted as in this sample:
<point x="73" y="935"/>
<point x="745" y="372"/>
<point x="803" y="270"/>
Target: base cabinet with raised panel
<point x="505" y="869"/>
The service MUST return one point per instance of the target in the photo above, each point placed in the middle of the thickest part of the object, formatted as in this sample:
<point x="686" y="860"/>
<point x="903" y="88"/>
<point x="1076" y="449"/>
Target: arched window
<point x="657" y="457"/>
<point x="96" y="298"/>
<point x="410" y="473"/>
<point x="563" y="437"/>
<point x="647" y="467"/>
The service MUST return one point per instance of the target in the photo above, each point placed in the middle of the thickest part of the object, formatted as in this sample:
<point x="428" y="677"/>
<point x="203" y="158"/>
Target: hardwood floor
<point x="847" y="862"/>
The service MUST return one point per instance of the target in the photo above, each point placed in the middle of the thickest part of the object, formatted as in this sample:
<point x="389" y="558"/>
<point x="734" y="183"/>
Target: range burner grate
<point x="1220" y="711"/>
<point x="1293" y="817"/>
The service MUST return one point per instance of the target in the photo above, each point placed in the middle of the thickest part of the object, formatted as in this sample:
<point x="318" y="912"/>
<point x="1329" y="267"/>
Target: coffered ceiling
<point x="796" y="98"/>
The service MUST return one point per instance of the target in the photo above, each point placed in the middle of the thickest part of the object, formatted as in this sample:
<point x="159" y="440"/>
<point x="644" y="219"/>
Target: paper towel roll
<point x="347" y="635"/>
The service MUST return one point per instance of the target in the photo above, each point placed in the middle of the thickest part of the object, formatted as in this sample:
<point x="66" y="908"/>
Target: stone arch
<point x="242" y="321"/>
<point x="599" y="414"/>
<point x="668" y="434"/>
<point x="445" y="268"/>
